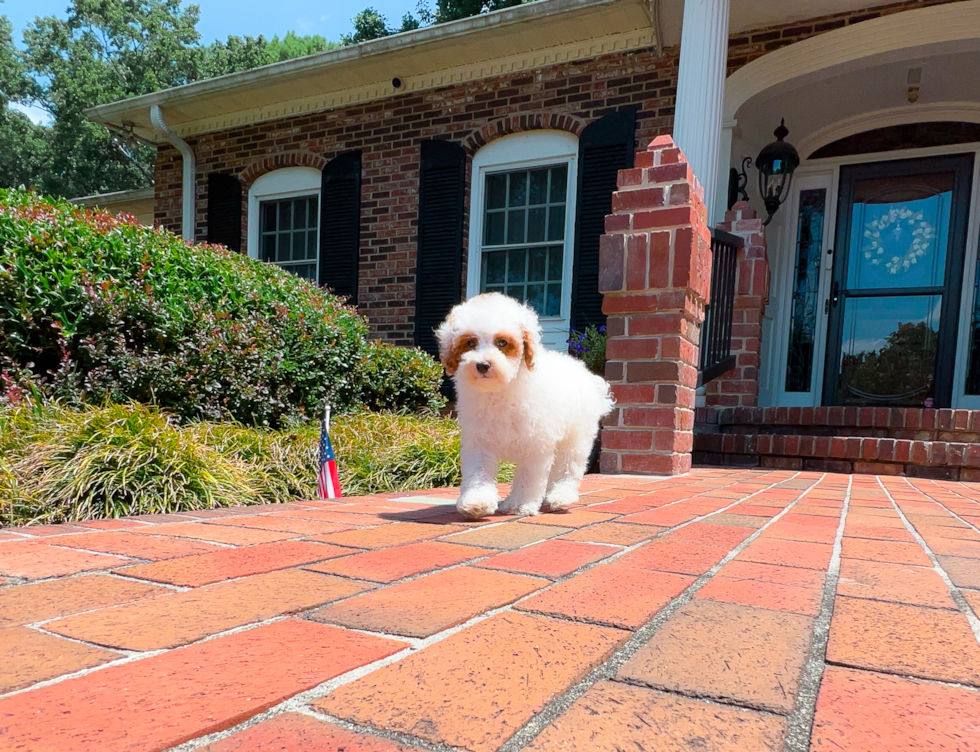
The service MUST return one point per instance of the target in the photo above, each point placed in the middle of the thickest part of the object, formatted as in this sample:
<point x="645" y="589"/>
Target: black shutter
<point x="438" y="276"/>
<point x="340" y="224"/>
<point x="225" y="210"/>
<point x="605" y="147"/>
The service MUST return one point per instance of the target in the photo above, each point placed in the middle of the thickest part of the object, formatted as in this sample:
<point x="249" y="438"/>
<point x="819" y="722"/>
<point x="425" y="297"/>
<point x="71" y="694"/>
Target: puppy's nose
<point x="483" y="368"/>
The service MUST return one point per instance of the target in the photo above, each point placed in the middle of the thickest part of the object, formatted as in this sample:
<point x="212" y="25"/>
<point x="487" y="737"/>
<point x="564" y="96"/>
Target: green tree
<point x="23" y="147"/>
<point x="370" y="24"/>
<point x="451" y="10"/>
<point x="103" y="51"/>
<point x="243" y="53"/>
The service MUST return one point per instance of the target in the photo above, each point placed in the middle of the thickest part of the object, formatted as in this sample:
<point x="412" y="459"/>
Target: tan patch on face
<point x="507" y="344"/>
<point x="463" y="343"/>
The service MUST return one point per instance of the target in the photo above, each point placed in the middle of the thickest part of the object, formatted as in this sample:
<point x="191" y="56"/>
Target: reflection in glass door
<point x="895" y="293"/>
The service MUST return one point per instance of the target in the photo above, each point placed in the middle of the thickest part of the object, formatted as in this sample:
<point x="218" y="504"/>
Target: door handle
<point x="829" y="262"/>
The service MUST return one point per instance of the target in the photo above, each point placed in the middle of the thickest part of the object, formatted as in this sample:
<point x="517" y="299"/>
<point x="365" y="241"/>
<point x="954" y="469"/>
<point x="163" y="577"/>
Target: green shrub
<point x="95" y="307"/>
<point x="60" y="464"/>
<point x="399" y="379"/>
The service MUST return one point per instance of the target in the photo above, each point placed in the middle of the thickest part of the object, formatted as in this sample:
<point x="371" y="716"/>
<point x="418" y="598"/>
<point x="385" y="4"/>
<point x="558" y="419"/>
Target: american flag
<point x="328" y="482"/>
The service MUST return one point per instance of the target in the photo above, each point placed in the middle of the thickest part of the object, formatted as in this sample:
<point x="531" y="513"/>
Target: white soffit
<point x="511" y="40"/>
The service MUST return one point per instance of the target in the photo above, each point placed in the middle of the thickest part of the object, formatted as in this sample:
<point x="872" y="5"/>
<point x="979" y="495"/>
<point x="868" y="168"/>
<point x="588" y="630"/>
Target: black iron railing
<point x="716" y="331"/>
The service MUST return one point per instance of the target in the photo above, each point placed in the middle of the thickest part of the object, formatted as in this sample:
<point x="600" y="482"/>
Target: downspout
<point x="188" y="193"/>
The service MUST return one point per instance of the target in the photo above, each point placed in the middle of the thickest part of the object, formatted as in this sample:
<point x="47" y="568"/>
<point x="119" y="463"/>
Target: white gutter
<point x="188" y="191"/>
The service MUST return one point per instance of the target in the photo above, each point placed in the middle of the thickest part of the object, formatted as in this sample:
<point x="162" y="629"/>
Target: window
<point x="288" y="230"/>
<point x="524" y="235"/>
<point x="521" y="224"/>
<point x="283" y="220"/>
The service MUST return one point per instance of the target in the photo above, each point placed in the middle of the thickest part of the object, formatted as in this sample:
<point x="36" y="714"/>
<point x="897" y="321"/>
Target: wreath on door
<point x="898" y="221"/>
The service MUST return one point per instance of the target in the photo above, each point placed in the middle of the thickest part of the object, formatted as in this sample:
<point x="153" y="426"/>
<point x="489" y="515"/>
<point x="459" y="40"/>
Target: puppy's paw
<point x="561" y="498"/>
<point x="478" y="503"/>
<point x="520" y="507"/>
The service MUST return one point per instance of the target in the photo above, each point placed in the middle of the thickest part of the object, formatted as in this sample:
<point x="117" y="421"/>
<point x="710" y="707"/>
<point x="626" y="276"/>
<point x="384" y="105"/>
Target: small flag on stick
<point x="328" y="482"/>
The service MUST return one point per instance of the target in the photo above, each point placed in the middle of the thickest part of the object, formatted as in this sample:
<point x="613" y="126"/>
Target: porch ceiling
<point x="514" y="39"/>
<point x="818" y="112"/>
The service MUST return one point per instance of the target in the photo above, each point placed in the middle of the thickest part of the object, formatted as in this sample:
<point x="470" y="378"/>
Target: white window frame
<point x="278" y="185"/>
<point x="525" y="151"/>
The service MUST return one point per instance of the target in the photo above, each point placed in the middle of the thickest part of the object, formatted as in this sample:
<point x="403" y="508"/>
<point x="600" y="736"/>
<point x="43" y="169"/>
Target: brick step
<point x="947" y="460"/>
<point x="914" y="424"/>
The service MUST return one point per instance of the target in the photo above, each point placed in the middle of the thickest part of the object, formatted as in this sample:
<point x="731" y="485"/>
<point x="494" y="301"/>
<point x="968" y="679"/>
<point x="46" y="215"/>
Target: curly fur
<point x="518" y="403"/>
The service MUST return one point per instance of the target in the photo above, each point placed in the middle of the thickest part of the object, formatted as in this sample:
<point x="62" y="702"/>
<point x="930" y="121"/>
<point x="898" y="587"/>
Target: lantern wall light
<point x="776" y="163"/>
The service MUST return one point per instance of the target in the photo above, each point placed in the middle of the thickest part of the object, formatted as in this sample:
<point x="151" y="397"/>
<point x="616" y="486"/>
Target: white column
<point x="701" y="89"/>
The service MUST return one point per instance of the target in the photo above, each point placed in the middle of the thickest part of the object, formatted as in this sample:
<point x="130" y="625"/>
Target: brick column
<point x="654" y="271"/>
<point x="740" y="386"/>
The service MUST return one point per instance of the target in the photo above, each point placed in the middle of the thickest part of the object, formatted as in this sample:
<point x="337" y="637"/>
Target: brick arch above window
<point x="529" y="121"/>
<point x="278" y="161"/>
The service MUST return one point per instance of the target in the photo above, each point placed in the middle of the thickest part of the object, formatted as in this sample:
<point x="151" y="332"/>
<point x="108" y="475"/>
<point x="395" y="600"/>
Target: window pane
<point x="559" y="178"/>
<point x="285" y="212"/>
<point x="496" y="191"/>
<point x="269" y="247"/>
<point x="536" y="265"/>
<point x="535" y="225"/>
<point x="517" y="195"/>
<point x="307" y="271"/>
<point x="299" y="214"/>
<point x="494" y="267"/>
<point x="494" y="231"/>
<point x="555" y="256"/>
<point x="268" y="216"/>
<point x="899" y="233"/>
<point x="313" y="212"/>
<point x="888" y="353"/>
<point x="515" y="226"/>
<point x="516" y="261"/>
<point x="526" y="207"/>
<point x="311" y="249"/>
<point x="806" y="287"/>
<point x="556" y="223"/>
<point x="535" y="297"/>
<point x="539" y="187"/>
<point x="285" y="245"/>
<point x="973" y="367"/>
<point x="553" y="304"/>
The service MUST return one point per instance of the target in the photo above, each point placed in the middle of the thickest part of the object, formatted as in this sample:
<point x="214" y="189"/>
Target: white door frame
<point x="820" y="173"/>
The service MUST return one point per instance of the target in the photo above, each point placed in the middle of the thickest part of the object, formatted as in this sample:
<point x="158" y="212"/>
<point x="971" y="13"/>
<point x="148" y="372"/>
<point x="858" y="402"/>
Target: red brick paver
<point x="614" y="626"/>
<point x="229" y="563"/>
<point x="170" y="698"/>
<point x="459" y="692"/>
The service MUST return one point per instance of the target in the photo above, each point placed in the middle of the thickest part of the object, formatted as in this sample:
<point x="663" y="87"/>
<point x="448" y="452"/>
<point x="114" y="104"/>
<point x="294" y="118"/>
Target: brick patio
<point x="720" y="610"/>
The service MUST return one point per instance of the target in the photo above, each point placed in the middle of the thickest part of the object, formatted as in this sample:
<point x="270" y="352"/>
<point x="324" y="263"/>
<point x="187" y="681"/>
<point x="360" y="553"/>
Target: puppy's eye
<point x="471" y="343"/>
<point x="501" y="343"/>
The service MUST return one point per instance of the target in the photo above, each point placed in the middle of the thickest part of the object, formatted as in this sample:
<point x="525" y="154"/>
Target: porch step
<point x="916" y="424"/>
<point x="940" y="444"/>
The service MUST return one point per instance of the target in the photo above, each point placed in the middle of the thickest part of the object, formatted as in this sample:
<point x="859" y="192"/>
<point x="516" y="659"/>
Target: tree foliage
<point x="103" y="51"/>
<point x="106" y="50"/>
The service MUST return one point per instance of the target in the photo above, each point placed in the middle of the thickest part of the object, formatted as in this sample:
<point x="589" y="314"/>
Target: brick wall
<point x="389" y="131"/>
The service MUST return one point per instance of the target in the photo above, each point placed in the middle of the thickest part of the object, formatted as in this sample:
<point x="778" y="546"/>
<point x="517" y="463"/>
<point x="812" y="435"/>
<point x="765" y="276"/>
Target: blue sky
<point x="221" y="18"/>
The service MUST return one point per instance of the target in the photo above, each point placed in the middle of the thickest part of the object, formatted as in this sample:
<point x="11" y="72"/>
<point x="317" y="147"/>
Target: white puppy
<point x="518" y="403"/>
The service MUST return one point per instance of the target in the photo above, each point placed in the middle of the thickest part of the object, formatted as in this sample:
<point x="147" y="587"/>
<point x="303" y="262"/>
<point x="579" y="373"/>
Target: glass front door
<point x="898" y="264"/>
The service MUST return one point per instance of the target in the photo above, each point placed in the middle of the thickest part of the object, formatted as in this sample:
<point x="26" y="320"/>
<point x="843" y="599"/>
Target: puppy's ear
<point x="448" y="352"/>
<point x="530" y="348"/>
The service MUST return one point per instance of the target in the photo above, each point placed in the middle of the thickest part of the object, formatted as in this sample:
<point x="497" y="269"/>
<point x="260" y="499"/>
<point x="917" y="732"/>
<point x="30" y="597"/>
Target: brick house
<point x="484" y="154"/>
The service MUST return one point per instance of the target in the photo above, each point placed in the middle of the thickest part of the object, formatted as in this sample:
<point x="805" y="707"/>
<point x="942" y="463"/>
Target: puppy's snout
<point x="483" y="367"/>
